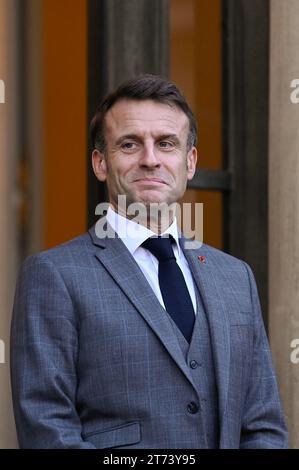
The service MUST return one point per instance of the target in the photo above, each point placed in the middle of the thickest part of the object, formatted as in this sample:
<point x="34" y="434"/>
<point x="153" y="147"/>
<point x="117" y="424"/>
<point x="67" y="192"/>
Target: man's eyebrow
<point x="159" y="137"/>
<point x="137" y="138"/>
<point x="127" y="136"/>
<point x="173" y="137"/>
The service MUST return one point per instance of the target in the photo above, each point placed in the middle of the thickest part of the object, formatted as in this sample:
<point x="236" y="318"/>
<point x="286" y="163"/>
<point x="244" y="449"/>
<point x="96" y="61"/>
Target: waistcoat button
<point x="192" y="407"/>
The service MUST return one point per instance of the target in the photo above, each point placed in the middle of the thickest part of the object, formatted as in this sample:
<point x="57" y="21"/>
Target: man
<point x="125" y="338"/>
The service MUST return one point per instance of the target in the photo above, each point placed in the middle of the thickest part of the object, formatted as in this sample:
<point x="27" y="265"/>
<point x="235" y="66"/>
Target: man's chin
<point x="146" y="198"/>
<point x="152" y="202"/>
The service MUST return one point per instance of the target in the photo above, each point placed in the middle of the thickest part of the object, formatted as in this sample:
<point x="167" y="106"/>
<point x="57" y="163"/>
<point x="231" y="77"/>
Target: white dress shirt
<point x="133" y="235"/>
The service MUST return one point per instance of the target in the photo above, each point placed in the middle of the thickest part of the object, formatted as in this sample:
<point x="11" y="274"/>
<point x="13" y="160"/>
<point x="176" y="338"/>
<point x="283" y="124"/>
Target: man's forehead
<point x="127" y="112"/>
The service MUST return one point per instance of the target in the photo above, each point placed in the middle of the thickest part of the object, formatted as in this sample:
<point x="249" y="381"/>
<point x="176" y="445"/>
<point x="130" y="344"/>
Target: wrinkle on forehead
<point x="130" y="114"/>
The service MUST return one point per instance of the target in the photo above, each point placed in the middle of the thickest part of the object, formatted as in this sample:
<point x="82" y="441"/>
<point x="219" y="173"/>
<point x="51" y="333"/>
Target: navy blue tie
<point x="172" y="283"/>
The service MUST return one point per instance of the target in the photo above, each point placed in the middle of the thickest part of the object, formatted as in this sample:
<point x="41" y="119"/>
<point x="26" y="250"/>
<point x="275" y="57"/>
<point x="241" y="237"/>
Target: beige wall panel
<point x="8" y="210"/>
<point x="284" y="204"/>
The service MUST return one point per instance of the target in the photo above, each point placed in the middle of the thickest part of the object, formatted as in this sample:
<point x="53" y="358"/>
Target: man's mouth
<point x="150" y="181"/>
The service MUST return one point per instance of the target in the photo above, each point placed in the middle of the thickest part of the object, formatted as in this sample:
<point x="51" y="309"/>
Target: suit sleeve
<point x="263" y="424"/>
<point x="44" y="349"/>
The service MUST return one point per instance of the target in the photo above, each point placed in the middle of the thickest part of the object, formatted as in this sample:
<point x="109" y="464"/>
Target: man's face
<point x="146" y="155"/>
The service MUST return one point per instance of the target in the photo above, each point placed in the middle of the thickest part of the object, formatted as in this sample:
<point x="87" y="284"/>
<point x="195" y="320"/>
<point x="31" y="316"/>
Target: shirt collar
<point x="133" y="234"/>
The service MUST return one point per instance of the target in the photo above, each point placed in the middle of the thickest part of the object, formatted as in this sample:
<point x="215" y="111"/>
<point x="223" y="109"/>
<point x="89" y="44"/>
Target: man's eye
<point x="166" y="145"/>
<point x="128" y="146"/>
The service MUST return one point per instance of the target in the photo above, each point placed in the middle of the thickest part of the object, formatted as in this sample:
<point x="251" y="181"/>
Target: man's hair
<point x="145" y="87"/>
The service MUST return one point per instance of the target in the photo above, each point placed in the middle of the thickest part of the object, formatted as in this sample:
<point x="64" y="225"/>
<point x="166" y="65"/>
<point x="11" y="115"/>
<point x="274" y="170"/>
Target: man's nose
<point x="149" y="157"/>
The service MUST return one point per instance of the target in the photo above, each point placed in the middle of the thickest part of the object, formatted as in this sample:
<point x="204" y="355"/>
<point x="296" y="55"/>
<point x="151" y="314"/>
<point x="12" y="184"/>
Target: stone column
<point x="8" y="208"/>
<point x="284" y="204"/>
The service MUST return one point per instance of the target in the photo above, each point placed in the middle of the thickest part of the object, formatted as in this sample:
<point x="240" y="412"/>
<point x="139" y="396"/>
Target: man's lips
<point x="150" y="181"/>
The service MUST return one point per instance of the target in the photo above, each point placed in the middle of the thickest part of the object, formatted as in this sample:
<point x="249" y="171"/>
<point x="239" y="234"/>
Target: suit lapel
<point x="117" y="260"/>
<point x="204" y="272"/>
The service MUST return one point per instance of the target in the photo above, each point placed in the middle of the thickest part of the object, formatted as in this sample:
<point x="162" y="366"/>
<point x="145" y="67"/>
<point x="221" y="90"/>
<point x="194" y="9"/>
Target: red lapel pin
<point x="202" y="259"/>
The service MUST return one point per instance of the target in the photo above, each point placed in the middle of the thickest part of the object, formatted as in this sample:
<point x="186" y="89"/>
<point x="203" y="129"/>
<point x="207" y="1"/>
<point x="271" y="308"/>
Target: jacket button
<point x="193" y="364"/>
<point x="192" y="407"/>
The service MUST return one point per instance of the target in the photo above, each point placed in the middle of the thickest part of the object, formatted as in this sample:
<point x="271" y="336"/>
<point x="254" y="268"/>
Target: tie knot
<point x="160" y="247"/>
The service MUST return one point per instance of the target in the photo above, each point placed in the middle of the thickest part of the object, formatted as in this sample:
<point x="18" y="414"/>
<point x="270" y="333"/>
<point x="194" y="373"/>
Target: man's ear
<point x="99" y="165"/>
<point x="191" y="163"/>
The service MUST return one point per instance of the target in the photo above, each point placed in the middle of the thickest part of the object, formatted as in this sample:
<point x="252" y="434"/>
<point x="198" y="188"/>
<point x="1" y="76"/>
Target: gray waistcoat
<point x="199" y="358"/>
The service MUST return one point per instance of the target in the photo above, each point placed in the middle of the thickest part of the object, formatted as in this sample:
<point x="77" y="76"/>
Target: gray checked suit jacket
<point x="95" y="362"/>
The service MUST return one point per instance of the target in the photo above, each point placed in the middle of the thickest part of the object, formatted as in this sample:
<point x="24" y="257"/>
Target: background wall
<point x="64" y="117"/>
<point x="8" y="206"/>
<point x="284" y="205"/>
